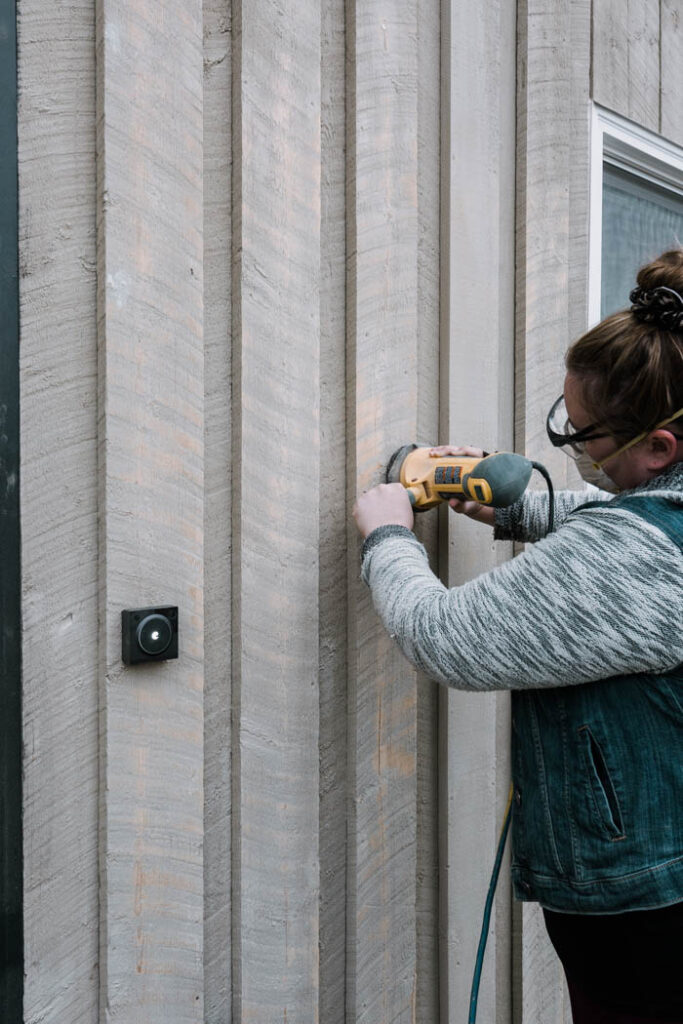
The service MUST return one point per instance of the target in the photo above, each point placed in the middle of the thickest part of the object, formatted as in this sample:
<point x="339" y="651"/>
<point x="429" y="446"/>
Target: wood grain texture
<point x="151" y="433"/>
<point x="383" y="371"/>
<point x="552" y="254"/>
<point x="217" y="508"/>
<point x="544" y="92"/>
<point x="333" y="521"/>
<point x="545" y="999"/>
<point x="228" y="889"/>
<point x="428" y="339"/>
<point x="671" y="122"/>
<point x="276" y="200"/>
<point x="59" y="509"/>
<point x="478" y="209"/>
<point x="626" y="65"/>
<point x="579" y="165"/>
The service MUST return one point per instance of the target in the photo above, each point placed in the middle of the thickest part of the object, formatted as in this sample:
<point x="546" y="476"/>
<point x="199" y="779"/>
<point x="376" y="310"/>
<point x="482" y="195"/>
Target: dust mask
<point x="594" y="474"/>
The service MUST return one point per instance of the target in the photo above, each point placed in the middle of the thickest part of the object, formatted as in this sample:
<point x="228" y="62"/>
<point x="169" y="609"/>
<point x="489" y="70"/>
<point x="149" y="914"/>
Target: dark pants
<point x="622" y="968"/>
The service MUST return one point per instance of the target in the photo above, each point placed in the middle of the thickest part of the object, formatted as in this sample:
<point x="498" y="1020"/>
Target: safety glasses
<point x="563" y="434"/>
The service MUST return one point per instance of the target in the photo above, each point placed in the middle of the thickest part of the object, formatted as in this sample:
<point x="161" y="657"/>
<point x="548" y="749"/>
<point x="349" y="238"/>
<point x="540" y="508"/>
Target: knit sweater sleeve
<point x="600" y="597"/>
<point x="527" y="519"/>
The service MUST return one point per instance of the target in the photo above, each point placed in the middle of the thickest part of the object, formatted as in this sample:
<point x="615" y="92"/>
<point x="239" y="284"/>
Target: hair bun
<point x="661" y="306"/>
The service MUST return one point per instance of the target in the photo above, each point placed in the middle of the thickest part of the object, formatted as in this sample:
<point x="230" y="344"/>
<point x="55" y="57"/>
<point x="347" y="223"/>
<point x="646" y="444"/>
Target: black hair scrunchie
<point x="661" y="306"/>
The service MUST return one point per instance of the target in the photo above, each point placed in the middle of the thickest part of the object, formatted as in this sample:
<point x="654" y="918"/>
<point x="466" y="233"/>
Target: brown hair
<point x="631" y="363"/>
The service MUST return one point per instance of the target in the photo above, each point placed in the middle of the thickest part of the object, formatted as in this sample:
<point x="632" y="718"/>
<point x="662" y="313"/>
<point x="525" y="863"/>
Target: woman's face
<point x="634" y="466"/>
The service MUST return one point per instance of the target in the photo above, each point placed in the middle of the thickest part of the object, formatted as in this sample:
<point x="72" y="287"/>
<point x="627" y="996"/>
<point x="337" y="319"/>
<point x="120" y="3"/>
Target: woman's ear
<point x="661" y="447"/>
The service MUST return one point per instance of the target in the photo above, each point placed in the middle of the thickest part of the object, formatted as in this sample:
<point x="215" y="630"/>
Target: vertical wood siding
<point x="428" y="401"/>
<point x="579" y="168"/>
<point x="334" y="510"/>
<point x="382" y="388"/>
<point x="552" y="176"/>
<point x="478" y="207"/>
<point x="217" y="507"/>
<point x="671" y="125"/>
<point x="324" y="230"/>
<point x="151" y="494"/>
<point x="626" y="64"/>
<point x="637" y="53"/>
<point x="276" y="520"/>
<point x="388" y="368"/>
<point x="59" y="508"/>
<point x="543" y="161"/>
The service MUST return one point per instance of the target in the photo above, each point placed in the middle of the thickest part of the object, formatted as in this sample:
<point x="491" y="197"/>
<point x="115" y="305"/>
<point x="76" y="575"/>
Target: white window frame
<point x="626" y="145"/>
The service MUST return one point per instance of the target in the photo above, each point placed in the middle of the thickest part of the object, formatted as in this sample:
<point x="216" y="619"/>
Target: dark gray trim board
<point x="11" y="941"/>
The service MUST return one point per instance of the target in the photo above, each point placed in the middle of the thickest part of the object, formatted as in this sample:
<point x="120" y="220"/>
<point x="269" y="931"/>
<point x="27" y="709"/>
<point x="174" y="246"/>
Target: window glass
<point x="640" y="220"/>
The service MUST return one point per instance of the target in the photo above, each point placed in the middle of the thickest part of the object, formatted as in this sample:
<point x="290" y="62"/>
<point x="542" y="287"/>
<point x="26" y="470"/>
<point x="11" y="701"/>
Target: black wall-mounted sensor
<point x="149" y="634"/>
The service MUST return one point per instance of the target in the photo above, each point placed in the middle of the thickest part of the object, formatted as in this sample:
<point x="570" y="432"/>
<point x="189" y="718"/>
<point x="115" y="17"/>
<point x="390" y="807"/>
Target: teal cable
<point x="479" y="963"/>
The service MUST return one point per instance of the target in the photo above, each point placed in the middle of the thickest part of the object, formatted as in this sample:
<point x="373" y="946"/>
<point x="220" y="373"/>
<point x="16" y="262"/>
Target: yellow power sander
<point x="497" y="480"/>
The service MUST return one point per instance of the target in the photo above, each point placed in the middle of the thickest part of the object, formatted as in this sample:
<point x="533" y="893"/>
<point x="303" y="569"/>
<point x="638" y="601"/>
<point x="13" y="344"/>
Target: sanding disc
<point x="393" y="474"/>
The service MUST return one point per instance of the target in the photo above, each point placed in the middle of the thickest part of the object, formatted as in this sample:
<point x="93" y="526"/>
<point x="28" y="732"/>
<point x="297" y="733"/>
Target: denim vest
<point x="597" y="812"/>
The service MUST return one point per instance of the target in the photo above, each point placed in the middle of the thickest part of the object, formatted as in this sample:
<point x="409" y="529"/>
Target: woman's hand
<point x="482" y="513"/>
<point x="385" y="505"/>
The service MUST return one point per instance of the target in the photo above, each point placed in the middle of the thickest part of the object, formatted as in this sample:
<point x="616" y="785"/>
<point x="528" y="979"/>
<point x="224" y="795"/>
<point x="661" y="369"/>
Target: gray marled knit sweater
<point x="601" y="596"/>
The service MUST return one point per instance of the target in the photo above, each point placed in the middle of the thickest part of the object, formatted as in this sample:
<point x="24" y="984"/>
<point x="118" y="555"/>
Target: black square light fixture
<point x="149" y="634"/>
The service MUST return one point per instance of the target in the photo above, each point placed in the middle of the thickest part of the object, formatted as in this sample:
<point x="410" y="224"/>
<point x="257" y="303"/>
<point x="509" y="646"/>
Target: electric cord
<point x="551" y="494"/>
<point x="479" y="963"/>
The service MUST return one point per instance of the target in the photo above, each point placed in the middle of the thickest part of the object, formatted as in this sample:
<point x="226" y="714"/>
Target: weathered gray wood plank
<point x="59" y="509"/>
<point x="276" y="511"/>
<point x="579" y="165"/>
<point x="552" y="252"/>
<point x="151" y="506"/>
<point x="476" y="408"/>
<point x="543" y="229"/>
<point x="383" y="366"/>
<point x="671" y="124"/>
<point x="544" y="994"/>
<point x="333" y="522"/>
<point x="217" y="509"/>
<point x="428" y="338"/>
<point x="626" y="71"/>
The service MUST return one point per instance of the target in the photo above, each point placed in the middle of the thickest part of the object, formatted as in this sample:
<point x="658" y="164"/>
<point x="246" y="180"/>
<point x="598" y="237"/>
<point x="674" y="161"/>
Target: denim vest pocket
<point x="605" y="802"/>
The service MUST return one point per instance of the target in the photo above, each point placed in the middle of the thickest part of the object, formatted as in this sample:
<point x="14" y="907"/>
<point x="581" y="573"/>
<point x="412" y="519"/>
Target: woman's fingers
<point x="449" y="449"/>
<point x="465" y="508"/>
<point x="472" y="509"/>
<point x="384" y="505"/>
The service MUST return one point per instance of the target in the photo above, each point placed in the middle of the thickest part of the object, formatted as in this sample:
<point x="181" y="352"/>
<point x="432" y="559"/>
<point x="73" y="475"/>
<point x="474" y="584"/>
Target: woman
<point x="585" y="628"/>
